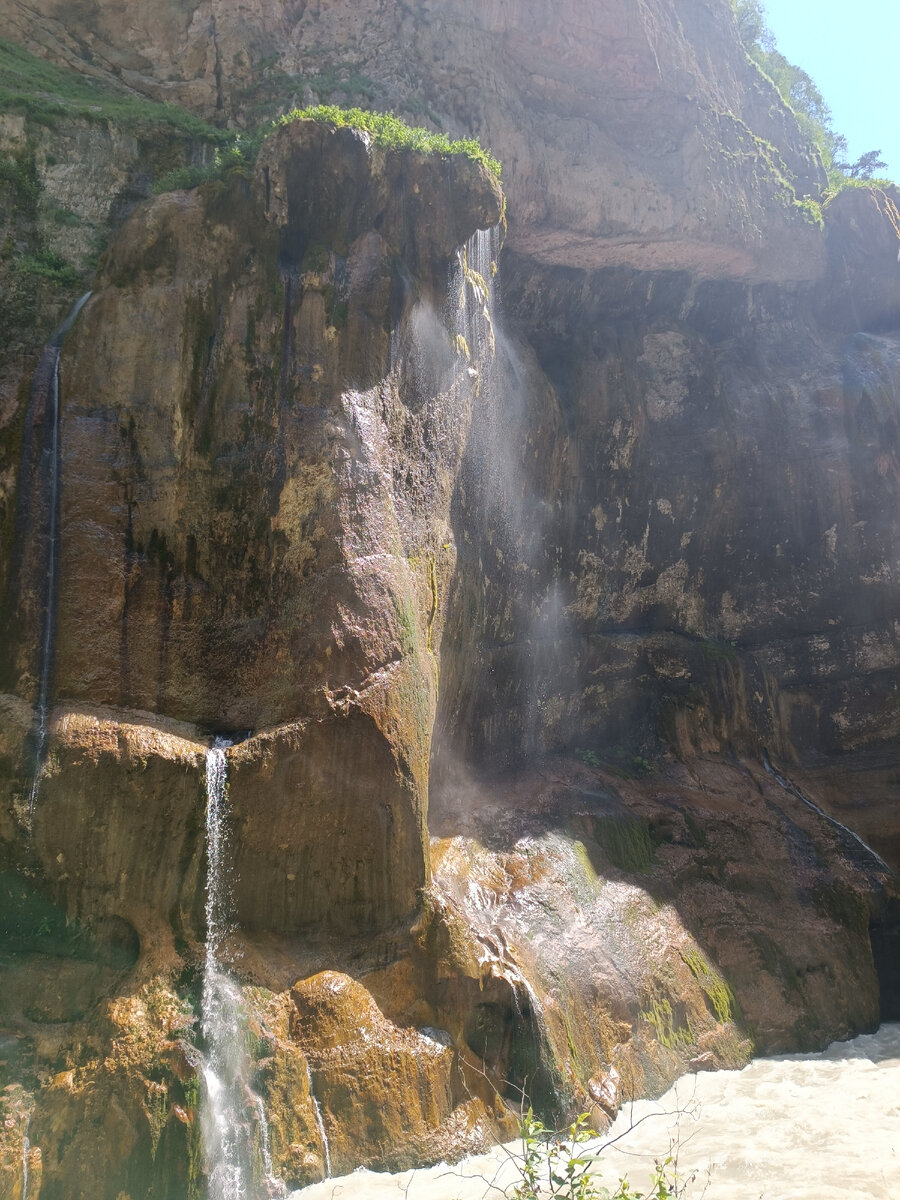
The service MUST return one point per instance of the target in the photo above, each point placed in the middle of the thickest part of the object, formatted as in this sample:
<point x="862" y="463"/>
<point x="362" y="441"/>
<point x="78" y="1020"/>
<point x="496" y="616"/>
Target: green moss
<point x="407" y="625"/>
<point x="461" y="346"/>
<point x="19" y="172"/>
<point x="581" y="853"/>
<point x="389" y="131"/>
<point x="570" y="1041"/>
<point x="668" y="1033"/>
<point x="626" y="843"/>
<point x="316" y="260"/>
<point x="720" y="652"/>
<point x="717" y="991"/>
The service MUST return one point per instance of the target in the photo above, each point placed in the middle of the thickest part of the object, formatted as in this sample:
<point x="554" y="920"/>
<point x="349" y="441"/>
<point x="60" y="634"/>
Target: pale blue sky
<point x="850" y="48"/>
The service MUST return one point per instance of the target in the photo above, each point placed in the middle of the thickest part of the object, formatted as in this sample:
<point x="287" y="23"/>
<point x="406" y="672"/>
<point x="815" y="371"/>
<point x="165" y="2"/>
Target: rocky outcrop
<point x="308" y="456"/>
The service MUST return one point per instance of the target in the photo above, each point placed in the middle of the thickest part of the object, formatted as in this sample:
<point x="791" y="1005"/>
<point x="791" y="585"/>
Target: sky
<point x="851" y="50"/>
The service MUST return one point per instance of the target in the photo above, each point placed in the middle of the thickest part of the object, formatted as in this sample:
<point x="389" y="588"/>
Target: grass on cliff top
<point x="389" y="131"/>
<point x="49" y="94"/>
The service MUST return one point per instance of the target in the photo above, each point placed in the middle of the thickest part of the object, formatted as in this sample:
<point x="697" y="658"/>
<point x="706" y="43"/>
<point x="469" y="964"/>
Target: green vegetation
<point x="48" y="94"/>
<point x="626" y="843"/>
<point x="19" y="172"/>
<point x="550" y="1167"/>
<point x="669" y="1032"/>
<point x="45" y="264"/>
<point x="717" y="991"/>
<point x="802" y="96"/>
<point x="234" y="160"/>
<point x="390" y="132"/>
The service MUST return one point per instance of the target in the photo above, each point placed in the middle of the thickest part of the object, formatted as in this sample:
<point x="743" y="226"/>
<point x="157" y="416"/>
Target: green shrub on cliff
<point x="801" y="95"/>
<point x="389" y="131"/>
<point x="235" y="159"/>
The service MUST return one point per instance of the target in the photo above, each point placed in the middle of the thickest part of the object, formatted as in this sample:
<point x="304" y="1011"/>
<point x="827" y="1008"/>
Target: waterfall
<point x="326" y="1149"/>
<point x="507" y="481"/>
<point x="787" y="786"/>
<point x="235" y="1129"/>
<point x="26" y="1146"/>
<point x="473" y="287"/>
<point x="50" y="365"/>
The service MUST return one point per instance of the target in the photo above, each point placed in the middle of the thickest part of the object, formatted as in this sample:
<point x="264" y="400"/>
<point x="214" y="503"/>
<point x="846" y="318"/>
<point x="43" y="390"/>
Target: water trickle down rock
<point x="37" y="535"/>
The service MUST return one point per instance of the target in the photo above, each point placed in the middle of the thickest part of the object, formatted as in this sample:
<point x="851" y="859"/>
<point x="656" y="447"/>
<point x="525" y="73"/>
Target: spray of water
<point x="507" y="493"/>
<point x="235" y="1129"/>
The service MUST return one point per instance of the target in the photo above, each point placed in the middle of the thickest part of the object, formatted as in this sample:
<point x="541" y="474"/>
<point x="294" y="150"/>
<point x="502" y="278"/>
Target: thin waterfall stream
<point x="235" y="1129"/>
<point x="320" y="1124"/>
<point x="786" y="785"/>
<point x="50" y="357"/>
<point x="26" y="1149"/>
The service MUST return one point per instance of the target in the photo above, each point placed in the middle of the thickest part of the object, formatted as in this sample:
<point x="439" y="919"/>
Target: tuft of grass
<point x="391" y="132"/>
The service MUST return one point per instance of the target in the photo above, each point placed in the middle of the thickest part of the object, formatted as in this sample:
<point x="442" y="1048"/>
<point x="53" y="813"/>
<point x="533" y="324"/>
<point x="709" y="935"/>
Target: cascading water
<point x="787" y="786"/>
<point x="26" y="1149"/>
<point x="507" y="490"/>
<point x="473" y="289"/>
<point x="49" y="367"/>
<point x="320" y="1124"/>
<point x="235" y="1129"/>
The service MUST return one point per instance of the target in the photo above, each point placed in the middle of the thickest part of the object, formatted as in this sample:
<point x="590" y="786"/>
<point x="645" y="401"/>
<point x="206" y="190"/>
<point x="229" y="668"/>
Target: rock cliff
<point x="546" y="596"/>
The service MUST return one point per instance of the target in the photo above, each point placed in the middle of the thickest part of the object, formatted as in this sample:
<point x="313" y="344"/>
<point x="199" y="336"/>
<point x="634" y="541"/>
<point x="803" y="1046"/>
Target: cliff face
<point x="586" y="569"/>
<point x="631" y="134"/>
